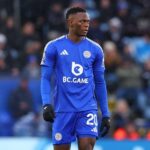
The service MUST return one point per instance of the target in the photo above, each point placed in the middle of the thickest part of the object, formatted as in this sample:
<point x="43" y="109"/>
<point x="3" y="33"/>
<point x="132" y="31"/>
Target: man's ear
<point x="69" y="22"/>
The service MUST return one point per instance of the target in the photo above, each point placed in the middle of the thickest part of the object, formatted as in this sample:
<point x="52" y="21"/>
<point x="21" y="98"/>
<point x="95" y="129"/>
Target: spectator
<point x="28" y="34"/>
<point x="115" y="31"/>
<point x="122" y="114"/>
<point x="142" y="49"/>
<point x="143" y="101"/>
<point x="55" y="17"/>
<point x="31" y="124"/>
<point x="146" y="75"/>
<point x="11" y="32"/>
<point x="129" y="75"/>
<point x="95" y="32"/>
<point x="32" y="68"/>
<point x="7" y="58"/>
<point x="21" y="101"/>
<point x="3" y="66"/>
<point x="128" y="20"/>
<point x="77" y="3"/>
<point x="31" y="49"/>
<point x="106" y="10"/>
<point x="112" y="62"/>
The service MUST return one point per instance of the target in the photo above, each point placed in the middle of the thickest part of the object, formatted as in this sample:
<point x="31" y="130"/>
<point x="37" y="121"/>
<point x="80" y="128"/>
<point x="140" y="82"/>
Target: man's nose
<point x="86" y="24"/>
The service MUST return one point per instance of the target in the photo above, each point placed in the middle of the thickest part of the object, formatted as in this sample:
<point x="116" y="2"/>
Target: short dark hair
<point x="74" y="10"/>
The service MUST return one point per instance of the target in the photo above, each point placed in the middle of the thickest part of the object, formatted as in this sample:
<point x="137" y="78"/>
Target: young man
<point x="78" y="64"/>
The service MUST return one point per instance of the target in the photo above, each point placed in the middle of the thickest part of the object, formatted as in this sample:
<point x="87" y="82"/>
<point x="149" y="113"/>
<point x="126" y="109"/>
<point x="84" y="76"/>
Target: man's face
<point x="79" y="23"/>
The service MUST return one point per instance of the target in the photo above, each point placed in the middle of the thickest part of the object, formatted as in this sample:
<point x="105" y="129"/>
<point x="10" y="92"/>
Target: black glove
<point x="105" y="125"/>
<point x="48" y="113"/>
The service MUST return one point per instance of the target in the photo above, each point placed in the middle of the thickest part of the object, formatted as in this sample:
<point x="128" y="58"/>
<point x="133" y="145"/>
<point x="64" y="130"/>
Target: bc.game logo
<point x="76" y="69"/>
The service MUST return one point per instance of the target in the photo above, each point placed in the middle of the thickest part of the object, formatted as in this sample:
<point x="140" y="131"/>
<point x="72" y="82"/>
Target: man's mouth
<point x="85" y="30"/>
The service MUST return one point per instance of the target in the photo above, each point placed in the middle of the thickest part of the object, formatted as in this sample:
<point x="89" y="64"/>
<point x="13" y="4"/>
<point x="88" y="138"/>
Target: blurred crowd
<point x="121" y="27"/>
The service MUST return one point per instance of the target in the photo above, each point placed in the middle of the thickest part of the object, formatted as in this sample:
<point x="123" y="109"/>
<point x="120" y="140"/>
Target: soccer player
<point x="78" y="65"/>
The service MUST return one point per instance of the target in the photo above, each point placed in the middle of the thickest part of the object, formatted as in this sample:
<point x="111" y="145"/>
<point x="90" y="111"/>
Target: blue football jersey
<point x="73" y="65"/>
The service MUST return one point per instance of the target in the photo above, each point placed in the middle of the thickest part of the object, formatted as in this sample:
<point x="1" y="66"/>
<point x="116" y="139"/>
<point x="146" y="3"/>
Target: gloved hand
<point x="48" y="113"/>
<point x="105" y="125"/>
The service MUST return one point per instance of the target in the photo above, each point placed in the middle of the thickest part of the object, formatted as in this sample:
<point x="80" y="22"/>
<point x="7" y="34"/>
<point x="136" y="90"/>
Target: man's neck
<point x="75" y="38"/>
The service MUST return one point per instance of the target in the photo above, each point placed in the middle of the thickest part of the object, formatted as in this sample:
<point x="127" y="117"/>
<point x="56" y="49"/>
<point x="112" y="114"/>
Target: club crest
<point x="87" y="54"/>
<point x="58" y="136"/>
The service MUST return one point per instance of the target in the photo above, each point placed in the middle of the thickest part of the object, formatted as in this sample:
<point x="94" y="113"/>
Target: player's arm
<point x="101" y="91"/>
<point x="47" y="67"/>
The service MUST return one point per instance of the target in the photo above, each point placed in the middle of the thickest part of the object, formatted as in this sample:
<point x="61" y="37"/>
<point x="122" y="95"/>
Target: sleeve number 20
<point x="92" y="119"/>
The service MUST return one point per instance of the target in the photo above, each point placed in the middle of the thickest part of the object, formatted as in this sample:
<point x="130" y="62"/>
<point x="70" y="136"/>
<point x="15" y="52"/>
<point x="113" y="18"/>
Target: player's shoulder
<point x="53" y="43"/>
<point x="59" y="39"/>
<point x="95" y="45"/>
<point x="56" y="41"/>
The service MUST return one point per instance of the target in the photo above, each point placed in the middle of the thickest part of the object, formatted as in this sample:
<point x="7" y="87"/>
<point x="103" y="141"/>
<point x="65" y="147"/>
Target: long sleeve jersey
<point x="79" y="73"/>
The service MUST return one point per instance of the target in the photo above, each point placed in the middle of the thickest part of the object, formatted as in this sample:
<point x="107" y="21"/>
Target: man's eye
<point x="81" y="21"/>
<point x="84" y="21"/>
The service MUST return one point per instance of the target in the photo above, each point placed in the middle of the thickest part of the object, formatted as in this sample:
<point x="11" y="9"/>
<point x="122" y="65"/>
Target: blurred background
<point x="121" y="27"/>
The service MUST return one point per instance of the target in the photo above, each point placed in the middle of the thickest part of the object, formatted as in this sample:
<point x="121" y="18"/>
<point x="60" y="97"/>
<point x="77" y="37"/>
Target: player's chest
<point x="81" y="55"/>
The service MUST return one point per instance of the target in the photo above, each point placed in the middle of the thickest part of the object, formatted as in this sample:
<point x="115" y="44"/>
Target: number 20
<point x="92" y="119"/>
